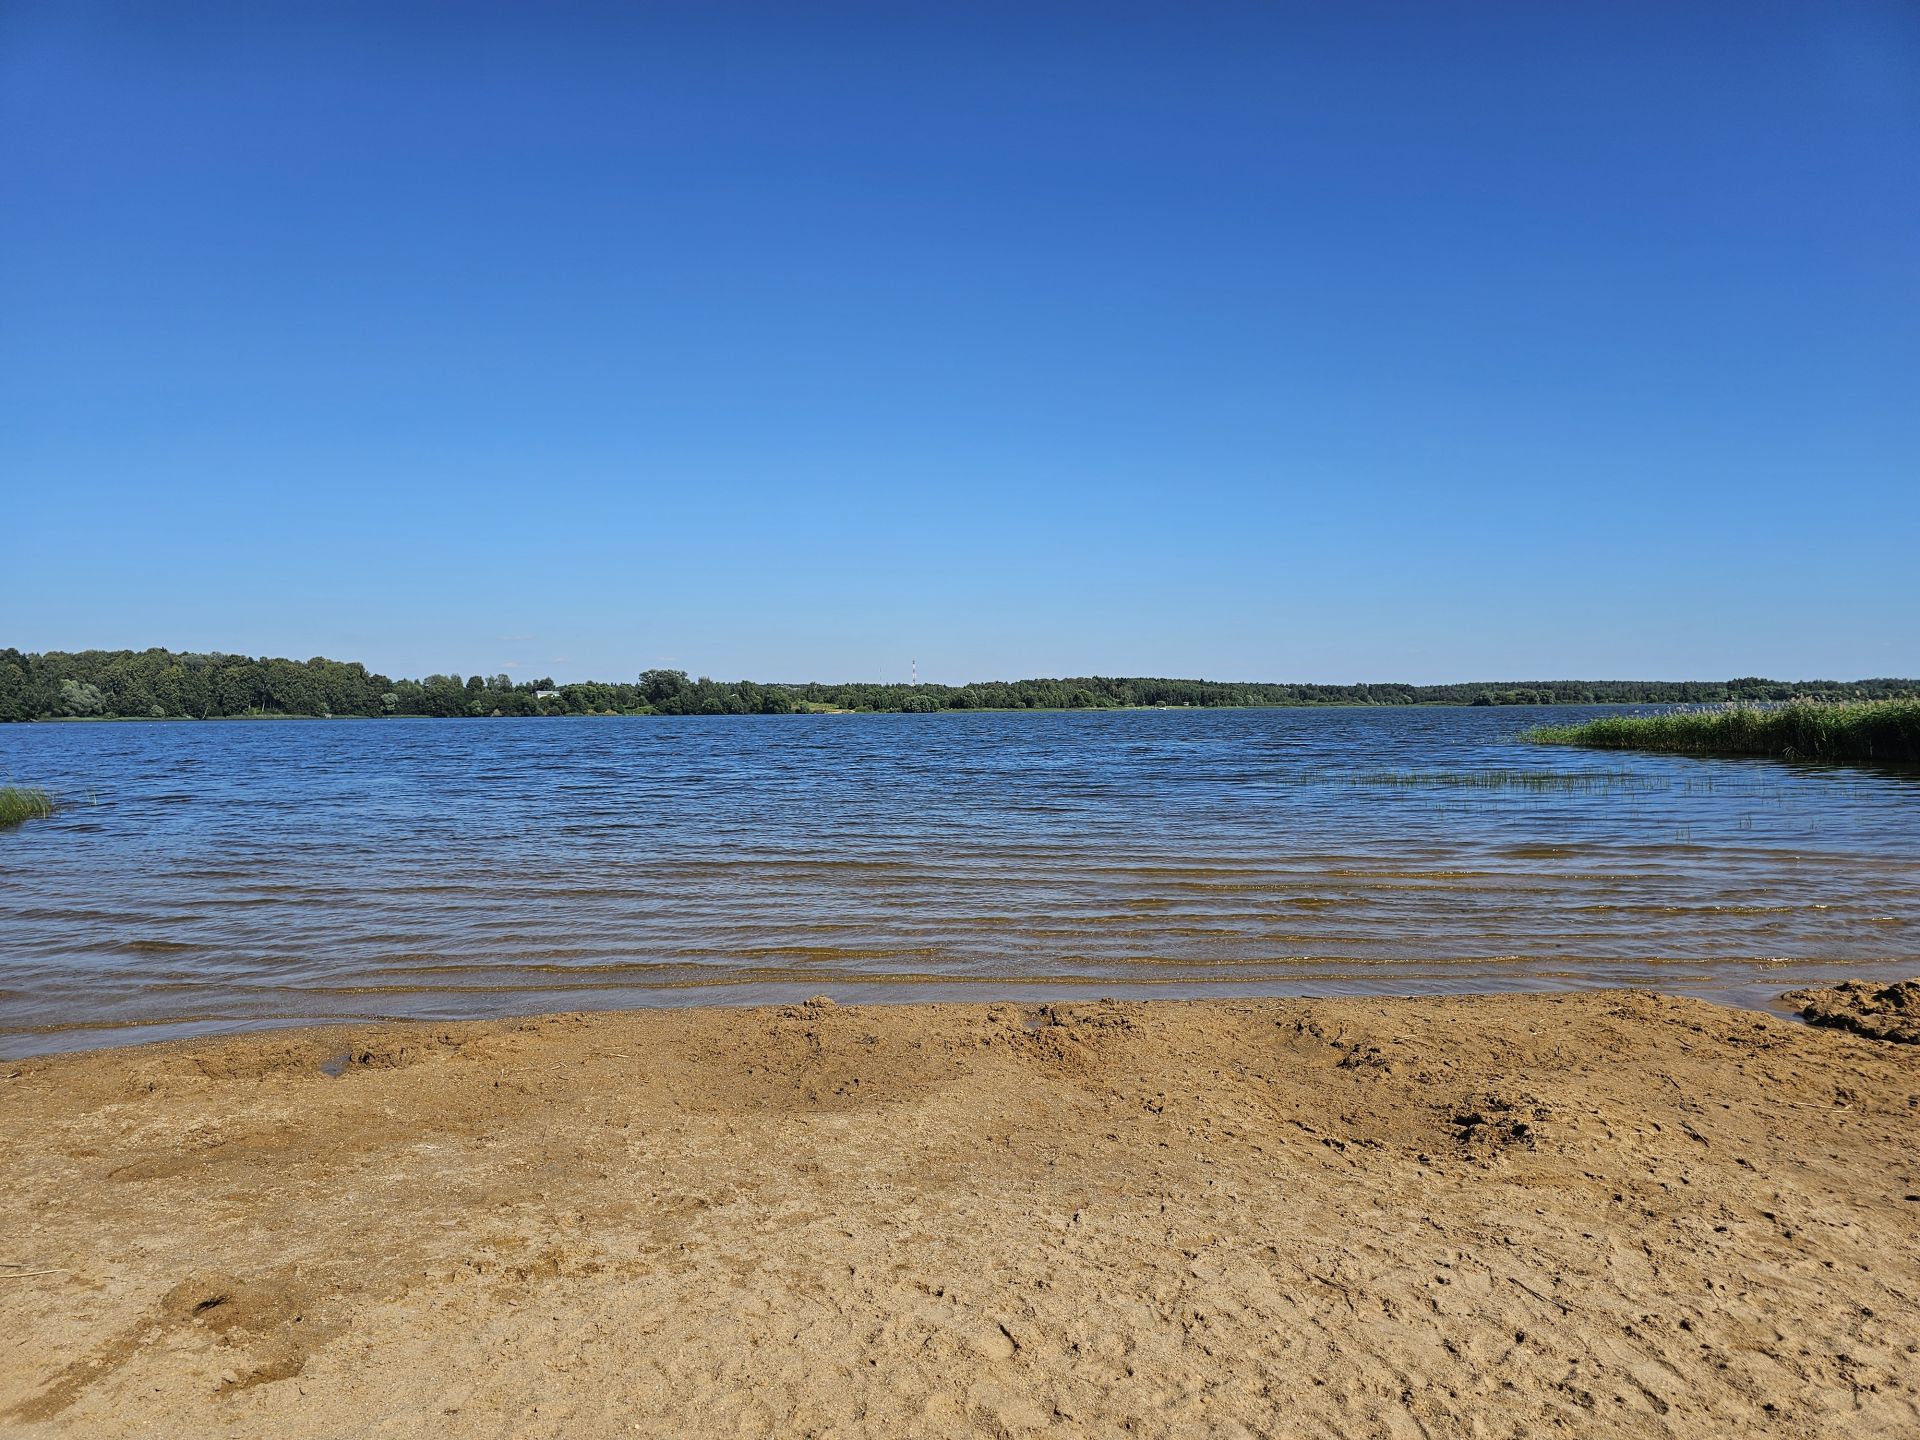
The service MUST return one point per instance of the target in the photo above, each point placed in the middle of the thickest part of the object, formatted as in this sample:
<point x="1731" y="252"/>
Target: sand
<point x="1880" y="1012"/>
<point x="1606" y="1214"/>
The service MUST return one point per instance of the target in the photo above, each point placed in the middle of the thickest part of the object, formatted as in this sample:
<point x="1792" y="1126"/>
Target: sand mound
<point x="1879" y="1012"/>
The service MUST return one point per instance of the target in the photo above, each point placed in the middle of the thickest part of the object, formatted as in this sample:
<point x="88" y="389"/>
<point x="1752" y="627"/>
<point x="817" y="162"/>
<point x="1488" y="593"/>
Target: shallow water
<point x="219" y="875"/>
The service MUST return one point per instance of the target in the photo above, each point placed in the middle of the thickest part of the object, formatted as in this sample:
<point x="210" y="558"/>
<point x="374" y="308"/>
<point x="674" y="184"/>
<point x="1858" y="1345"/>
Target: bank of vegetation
<point x="1886" y="731"/>
<point x="166" y="684"/>
<point x="19" y="804"/>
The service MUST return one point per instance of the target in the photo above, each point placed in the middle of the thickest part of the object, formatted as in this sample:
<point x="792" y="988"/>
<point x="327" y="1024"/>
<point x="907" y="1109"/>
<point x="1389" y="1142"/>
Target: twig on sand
<point x="1559" y="1305"/>
<point x="23" y="1274"/>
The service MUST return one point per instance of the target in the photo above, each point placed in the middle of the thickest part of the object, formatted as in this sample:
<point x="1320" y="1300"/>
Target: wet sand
<point x="1604" y="1214"/>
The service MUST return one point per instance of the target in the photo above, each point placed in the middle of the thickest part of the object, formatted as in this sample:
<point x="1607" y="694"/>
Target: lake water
<point x="220" y="875"/>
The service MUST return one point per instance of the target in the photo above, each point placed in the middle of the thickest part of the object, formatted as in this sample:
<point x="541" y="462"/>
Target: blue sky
<point x="1333" y="342"/>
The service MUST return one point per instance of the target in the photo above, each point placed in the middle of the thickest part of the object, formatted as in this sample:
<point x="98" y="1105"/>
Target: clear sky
<point x="1254" y="341"/>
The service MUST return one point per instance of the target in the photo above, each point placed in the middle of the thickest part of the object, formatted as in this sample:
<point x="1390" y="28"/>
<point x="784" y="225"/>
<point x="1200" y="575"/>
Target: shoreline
<point x="806" y="714"/>
<point x="1748" y="994"/>
<point x="1614" y="1211"/>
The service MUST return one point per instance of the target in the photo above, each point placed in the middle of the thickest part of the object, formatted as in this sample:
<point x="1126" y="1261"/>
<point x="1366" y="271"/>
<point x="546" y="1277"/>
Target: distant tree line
<point x="164" y="684"/>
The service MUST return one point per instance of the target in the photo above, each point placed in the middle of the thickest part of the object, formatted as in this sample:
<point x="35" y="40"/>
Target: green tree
<point x="77" y="697"/>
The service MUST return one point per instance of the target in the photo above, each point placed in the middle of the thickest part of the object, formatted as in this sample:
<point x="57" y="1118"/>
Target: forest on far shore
<point x="166" y="684"/>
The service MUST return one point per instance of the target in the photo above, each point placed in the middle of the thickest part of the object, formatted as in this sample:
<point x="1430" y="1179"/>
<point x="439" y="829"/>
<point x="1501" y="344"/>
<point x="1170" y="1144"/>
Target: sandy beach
<point x="1607" y="1214"/>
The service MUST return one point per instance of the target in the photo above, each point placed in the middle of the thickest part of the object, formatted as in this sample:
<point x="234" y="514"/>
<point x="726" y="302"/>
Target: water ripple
<point x="211" y="876"/>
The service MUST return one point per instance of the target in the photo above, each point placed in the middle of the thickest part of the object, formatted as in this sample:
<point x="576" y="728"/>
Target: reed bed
<point x="18" y="804"/>
<point x="1885" y="731"/>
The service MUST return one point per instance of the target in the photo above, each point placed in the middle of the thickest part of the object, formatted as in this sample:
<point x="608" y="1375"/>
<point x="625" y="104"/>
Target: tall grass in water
<point x="17" y="804"/>
<point x="1883" y="730"/>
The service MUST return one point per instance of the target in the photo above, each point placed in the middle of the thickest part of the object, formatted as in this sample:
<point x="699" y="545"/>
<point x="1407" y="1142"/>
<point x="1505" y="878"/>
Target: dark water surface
<point x="217" y="875"/>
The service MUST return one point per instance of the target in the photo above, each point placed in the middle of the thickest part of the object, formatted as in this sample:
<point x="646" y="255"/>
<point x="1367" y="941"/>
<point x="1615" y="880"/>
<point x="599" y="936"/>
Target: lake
<point x="219" y="875"/>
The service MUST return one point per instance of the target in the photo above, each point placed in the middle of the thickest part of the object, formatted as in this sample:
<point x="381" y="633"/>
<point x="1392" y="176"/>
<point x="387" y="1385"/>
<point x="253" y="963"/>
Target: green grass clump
<point x="1886" y="731"/>
<point x="17" y="804"/>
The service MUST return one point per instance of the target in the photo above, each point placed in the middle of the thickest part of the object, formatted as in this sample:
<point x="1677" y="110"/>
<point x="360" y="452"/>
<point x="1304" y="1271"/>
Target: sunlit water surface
<point x="220" y="875"/>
